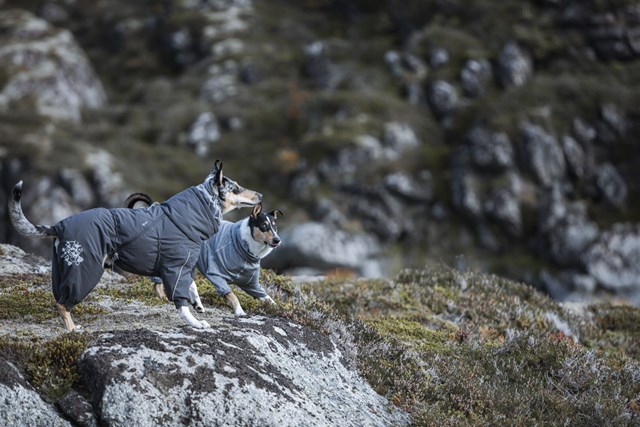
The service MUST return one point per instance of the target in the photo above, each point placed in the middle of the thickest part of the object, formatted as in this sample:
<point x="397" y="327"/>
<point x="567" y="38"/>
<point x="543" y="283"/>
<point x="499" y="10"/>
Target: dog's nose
<point x="276" y="240"/>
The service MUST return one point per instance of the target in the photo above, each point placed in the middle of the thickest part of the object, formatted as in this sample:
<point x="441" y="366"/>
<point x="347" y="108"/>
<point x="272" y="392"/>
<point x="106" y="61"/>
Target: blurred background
<point x="493" y="135"/>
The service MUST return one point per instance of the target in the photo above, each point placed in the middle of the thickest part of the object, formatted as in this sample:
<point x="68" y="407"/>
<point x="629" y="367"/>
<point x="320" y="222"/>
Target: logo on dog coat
<point x="71" y="252"/>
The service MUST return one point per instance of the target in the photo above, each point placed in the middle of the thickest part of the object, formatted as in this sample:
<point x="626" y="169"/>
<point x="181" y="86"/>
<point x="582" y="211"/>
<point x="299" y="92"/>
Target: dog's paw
<point x="186" y="315"/>
<point x="268" y="299"/>
<point x="204" y="324"/>
<point x="240" y="312"/>
<point x="199" y="308"/>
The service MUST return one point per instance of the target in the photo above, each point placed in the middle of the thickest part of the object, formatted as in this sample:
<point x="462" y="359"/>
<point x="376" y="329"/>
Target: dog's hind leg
<point x="194" y="298"/>
<point x="66" y="318"/>
<point x="158" y="288"/>
<point x="232" y="299"/>
<point x="185" y="313"/>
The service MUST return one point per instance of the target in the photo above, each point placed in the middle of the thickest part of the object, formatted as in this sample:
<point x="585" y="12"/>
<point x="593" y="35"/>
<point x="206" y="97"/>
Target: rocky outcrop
<point x="142" y="366"/>
<point x="45" y="64"/>
<point x="258" y="372"/>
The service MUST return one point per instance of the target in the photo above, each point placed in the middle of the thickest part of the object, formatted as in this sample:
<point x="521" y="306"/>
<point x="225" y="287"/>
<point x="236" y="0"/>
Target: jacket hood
<point x="194" y="211"/>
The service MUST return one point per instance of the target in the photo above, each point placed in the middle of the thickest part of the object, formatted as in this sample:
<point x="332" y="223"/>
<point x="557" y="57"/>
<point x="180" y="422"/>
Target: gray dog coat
<point x="162" y="240"/>
<point x="225" y="258"/>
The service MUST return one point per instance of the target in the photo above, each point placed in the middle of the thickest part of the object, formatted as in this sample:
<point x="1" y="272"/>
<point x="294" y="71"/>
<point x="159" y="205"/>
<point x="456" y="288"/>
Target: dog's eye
<point x="264" y="226"/>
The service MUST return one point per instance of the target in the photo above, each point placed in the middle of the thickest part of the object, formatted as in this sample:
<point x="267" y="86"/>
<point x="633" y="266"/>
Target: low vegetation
<point x="470" y="349"/>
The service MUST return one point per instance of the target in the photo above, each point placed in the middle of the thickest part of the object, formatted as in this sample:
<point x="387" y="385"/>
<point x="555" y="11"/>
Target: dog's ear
<point x="274" y="213"/>
<point x="256" y="211"/>
<point x="217" y="172"/>
<point x="218" y="176"/>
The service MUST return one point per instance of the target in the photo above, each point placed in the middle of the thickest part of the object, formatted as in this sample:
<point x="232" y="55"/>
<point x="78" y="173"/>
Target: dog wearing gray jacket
<point x="162" y="240"/>
<point x="232" y="255"/>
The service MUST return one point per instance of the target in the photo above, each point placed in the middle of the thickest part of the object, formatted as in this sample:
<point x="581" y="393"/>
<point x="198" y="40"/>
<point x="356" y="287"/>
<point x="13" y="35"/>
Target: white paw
<point x="240" y="312"/>
<point x="200" y="308"/>
<point x="267" y="299"/>
<point x="204" y="324"/>
<point x="186" y="315"/>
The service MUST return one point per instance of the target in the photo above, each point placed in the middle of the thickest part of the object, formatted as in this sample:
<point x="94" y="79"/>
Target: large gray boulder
<point x="46" y="65"/>
<point x="323" y="247"/>
<point x="256" y="372"/>
<point x="20" y="404"/>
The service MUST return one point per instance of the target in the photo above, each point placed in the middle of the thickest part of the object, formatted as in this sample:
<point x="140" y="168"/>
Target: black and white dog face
<point x="264" y="226"/>
<point x="232" y="194"/>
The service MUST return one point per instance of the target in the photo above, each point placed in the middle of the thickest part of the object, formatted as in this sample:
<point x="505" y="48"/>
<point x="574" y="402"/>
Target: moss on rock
<point x="50" y="365"/>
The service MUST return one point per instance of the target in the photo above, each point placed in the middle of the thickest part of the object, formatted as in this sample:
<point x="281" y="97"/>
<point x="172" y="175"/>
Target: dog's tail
<point x="138" y="200"/>
<point x="21" y="223"/>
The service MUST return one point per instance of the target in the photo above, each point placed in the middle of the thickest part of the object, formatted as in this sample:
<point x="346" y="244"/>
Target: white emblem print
<point x="71" y="252"/>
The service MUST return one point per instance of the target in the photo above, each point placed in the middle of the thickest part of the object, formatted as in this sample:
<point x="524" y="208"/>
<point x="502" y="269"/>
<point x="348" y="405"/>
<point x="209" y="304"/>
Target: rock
<point x="107" y="181"/>
<point x="575" y="157"/>
<point x="614" y="118"/>
<point x="415" y="66"/>
<point x="78" y="187"/>
<point x="45" y="64"/>
<point x="398" y="137"/>
<point x="321" y="247"/>
<point x="544" y="153"/>
<point x="443" y="99"/>
<point x="611" y="185"/>
<point x="515" y="67"/>
<point x="465" y="193"/>
<point x="403" y="185"/>
<point x="584" y="131"/>
<point x="203" y="132"/>
<point x="318" y="67"/>
<point x="504" y="207"/>
<point x="254" y="372"/>
<point x="438" y="57"/>
<point x="78" y="409"/>
<point x="474" y="77"/>
<point x="490" y="150"/>
<point x="614" y="37"/>
<point x="379" y="213"/>
<point x="393" y="61"/>
<point x="567" y="230"/>
<point x="614" y="259"/>
<point x="221" y="84"/>
<point x="20" y="404"/>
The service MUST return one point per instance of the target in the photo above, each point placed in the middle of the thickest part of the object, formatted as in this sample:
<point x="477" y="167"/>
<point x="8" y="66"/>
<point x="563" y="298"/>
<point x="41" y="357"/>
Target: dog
<point x="163" y="240"/>
<point x="232" y="255"/>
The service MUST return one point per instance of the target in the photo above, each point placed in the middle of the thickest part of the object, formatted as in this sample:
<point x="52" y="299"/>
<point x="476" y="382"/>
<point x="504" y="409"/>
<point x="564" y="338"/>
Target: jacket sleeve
<point x="251" y="284"/>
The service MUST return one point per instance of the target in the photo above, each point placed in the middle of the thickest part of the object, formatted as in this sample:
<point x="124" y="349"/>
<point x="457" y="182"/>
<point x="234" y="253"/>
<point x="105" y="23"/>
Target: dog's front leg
<point x="185" y="313"/>
<point x="232" y="299"/>
<point x="194" y="298"/>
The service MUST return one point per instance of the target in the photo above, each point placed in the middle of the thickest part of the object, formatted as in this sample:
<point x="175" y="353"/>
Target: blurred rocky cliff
<point x="496" y="135"/>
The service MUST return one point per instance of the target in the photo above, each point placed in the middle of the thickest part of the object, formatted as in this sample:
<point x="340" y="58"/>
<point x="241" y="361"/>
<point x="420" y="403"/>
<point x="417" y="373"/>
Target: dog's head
<point x="230" y="193"/>
<point x="264" y="226"/>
